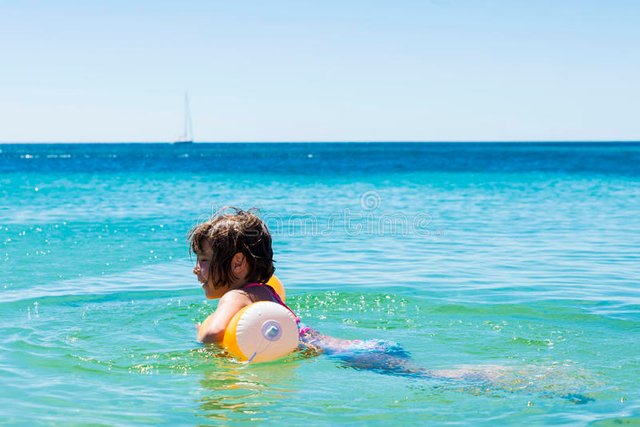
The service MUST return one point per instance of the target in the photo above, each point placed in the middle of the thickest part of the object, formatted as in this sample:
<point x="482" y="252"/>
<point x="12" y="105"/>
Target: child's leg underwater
<point x="389" y="358"/>
<point x="384" y="357"/>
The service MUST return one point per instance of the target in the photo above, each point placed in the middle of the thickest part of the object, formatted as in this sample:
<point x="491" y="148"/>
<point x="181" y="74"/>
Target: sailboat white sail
<point x="187" y="136"/>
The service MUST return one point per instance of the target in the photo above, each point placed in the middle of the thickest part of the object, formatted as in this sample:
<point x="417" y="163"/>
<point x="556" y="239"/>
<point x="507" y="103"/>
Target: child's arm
<point x="213" y="327"/>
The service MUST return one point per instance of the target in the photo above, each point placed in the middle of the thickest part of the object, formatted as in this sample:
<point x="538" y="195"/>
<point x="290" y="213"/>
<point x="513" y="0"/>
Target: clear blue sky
<point x="320" y="70"/>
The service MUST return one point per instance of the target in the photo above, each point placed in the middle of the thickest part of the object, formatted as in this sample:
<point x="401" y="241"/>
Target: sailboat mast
<point x="188" y="125"/>
<point x="187" y="136"/>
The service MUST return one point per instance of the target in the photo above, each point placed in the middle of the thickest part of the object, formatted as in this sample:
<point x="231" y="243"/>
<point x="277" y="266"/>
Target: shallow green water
<point x="534" y="274"/>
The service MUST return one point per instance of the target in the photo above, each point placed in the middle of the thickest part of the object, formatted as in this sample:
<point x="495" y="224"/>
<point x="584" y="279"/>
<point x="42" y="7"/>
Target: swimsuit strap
<point x="274" y="295"/>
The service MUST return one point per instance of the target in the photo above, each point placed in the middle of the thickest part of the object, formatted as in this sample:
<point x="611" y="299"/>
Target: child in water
<point x="234" y="263"/>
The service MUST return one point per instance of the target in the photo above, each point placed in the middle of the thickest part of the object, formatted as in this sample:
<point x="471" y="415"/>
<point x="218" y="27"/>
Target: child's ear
<point x="238" y="262"/>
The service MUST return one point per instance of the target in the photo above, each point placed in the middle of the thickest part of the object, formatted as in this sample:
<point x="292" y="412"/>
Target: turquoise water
<point x="517" y="259"/>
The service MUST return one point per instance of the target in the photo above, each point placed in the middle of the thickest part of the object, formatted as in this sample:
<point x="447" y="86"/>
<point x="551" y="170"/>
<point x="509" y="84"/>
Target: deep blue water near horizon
<point x="521" y="258"/>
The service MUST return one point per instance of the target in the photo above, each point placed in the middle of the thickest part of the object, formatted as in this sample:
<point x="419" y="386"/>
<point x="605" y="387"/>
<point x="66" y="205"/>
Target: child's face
<point x="201" y="270"/>
<point x="239" y="269"/>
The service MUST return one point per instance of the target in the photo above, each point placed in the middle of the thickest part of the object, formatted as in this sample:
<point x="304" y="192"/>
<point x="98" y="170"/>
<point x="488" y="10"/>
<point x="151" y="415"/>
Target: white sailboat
<point x="187" y="136"/>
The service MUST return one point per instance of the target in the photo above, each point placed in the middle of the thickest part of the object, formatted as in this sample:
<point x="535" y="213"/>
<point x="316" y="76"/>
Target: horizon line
<point x="414" y="141"/>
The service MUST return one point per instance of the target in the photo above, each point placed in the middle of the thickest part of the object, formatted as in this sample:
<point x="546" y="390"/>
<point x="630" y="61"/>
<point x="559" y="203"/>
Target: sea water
<point x="521" y="259"/>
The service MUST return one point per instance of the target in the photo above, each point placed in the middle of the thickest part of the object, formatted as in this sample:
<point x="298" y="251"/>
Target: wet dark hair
<point x="229" y="233"/>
